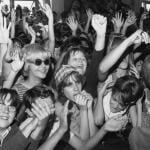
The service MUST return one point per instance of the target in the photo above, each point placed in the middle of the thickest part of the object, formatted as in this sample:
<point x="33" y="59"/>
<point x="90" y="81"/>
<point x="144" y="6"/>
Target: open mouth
<point x="4" y="117"/>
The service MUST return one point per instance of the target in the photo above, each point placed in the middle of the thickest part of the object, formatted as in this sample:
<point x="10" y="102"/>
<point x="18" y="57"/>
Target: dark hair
<point x="13" y="96"/>
<point x="19" y="12"/>
<point x="77" y="78"/>
<point x="72" y="50"/>
<point x="39" y="91"/>
<point x="129" y="89"/>
<point x="62" y="31"/>
<point x="78" y="41"/>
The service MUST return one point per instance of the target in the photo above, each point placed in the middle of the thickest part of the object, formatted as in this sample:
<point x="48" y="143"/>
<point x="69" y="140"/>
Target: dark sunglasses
<point x="38" y="62"/>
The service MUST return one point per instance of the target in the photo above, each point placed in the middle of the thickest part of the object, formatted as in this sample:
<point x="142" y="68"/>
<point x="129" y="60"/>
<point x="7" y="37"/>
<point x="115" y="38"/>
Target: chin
<point x="41" y="75"/>
<point x="4" y="124"/>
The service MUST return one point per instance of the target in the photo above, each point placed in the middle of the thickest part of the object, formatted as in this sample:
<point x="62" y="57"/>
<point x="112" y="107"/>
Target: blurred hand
<point x="131" y="19"/>
<point x="17" y="62"/>
<point x="117" y="22"/>
<point x="89" y="13"/>
<point x="72" y="23"/>
<point x="4" y="30"/>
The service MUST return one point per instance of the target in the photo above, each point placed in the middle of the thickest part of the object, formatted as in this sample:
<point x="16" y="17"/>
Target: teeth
<point x="5" y="118"/>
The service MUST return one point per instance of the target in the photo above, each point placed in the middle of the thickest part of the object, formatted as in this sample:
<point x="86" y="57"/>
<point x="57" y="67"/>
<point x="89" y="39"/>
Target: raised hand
<point x="138" y="37"/>
<point x="42" y="112"/>
<point x="81" y="100"/>
<point x="133" y="71"/>
<point x="99" y="24"/>
<point x="49" y="13"/>
<point x="117" y="22"/>
<point x="28" y="126"/>
<point x="89" y="99"/>
<point x="4" y="30"/>
<point x="31" y="32"/>
<point x="144" y="15"/>
<point x="72" y="23"/>
<point x="131" y="19"/>
<point x="17" y="62"/>
<point x="89" y="13"/>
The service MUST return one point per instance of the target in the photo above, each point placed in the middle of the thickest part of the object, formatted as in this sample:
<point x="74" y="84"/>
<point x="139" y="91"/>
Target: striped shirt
<point x="21" y="89"/>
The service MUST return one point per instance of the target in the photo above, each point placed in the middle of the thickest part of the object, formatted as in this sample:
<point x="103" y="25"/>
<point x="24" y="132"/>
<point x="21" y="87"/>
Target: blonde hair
<point x="29" y="53"/>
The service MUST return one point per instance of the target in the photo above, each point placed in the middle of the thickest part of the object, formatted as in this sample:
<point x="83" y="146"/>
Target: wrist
<point x="117" y="30"/>
<point x="103" y="129"/>
<point x="100" y="35"/>
<point x="62" y="130"/>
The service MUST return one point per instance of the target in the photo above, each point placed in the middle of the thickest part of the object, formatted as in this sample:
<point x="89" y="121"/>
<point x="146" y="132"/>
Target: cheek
<point x="69" y="93"/>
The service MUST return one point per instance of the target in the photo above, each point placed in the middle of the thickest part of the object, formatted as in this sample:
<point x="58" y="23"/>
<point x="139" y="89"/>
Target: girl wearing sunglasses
<point x="36" y="67"/>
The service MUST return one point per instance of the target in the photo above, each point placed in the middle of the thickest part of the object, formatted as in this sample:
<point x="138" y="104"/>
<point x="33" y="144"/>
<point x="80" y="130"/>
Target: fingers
<point x="145" y="37"/>
<point x="81" y="100"/>
<point x="25" y="123"/>
<point x="42" y="110"/>
<point x="28" y="126"/>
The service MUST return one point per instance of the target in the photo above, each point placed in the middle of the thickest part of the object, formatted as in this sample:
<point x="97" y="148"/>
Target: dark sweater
<point x="15" y="140"/>
<point x="92" y="73"/>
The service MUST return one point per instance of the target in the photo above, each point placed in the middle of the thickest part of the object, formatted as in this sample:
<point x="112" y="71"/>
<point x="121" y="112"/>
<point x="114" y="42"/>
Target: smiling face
<point x="72" y="88"/>
<point x="78" y="60"/>
<point x="39" y="66"/>
<point x="7" y="112"/>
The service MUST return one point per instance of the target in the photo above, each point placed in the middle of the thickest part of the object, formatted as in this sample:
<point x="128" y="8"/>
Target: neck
<point x="31" y="82"/>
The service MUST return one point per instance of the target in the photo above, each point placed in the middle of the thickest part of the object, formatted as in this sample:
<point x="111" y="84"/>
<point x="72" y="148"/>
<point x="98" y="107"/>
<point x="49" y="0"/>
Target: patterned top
<point x="21" y="89"/>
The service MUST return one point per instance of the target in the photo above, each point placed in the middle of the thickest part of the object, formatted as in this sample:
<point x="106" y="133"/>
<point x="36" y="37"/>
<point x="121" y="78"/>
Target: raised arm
<point x="111" y="58"/>
<point x="49" y="13"/>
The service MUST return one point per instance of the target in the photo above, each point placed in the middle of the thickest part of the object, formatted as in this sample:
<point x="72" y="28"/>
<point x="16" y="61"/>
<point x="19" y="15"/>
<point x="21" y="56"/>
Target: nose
<point x="6" y="109"/>
<point x="80" y="61"/>
<point x="76" y="87"/>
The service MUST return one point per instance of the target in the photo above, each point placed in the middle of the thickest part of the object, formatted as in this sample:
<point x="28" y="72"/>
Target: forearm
<point x="12" y="30"/>
<point x="124" y="29"/>
<point x="111" y="58"/>
<point x="141" y="24"/>
<point x="99" y="112"/>
<point x="84" y="126"/>
<point x="51" y="142"/>
<point x="37" y="133"/>
<point x="87" y="26"/>
<point x="139" y="114"/>
<point x="3" y="50"/>
<point x="100" y="42"/>
<point x="8" y="82"/>
<point x="51" y="37"/>
<point x="92" y="126"/>
<point x="93" y="141"/>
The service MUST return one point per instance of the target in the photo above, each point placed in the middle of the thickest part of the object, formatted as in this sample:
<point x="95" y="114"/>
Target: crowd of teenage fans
<point x="75" y="80"/>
